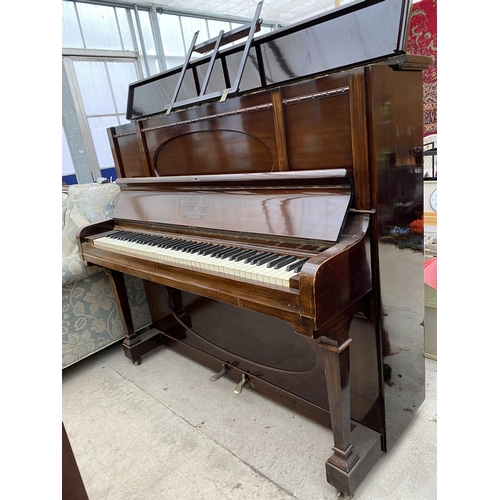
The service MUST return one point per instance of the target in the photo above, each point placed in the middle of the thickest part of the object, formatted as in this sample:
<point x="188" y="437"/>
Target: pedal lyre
<point x="239" y="387"/>
<point x="219" y="375"/>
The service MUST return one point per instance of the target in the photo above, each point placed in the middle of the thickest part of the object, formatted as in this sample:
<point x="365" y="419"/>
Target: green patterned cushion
<point x="95" y="202"/>
<point x="87" y="203"/>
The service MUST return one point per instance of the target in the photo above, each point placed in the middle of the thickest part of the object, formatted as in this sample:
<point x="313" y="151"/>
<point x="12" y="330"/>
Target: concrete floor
<point x="162" y="430"/>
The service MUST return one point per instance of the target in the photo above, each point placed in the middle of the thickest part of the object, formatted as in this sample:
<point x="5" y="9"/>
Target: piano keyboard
<point x="264" y="267"/>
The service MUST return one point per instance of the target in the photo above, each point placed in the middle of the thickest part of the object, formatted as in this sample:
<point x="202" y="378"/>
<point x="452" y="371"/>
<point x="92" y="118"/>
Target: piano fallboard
<point x="278" y="204"/>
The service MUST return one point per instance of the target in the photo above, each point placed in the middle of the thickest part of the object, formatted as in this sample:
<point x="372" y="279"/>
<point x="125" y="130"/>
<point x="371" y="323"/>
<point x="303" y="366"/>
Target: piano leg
<point x="340" y="467"/>
<point x="337" y="372"/>
<point x="133" y="346"/>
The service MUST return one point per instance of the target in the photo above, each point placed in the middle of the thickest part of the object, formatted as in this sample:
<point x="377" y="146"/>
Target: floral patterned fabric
<point x="90" y="317"/>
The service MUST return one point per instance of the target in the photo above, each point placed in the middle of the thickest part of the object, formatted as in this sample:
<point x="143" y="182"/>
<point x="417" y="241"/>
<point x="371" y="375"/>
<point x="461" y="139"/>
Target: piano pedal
<point x="243" y="382"/>
<point x="219" y="375"/>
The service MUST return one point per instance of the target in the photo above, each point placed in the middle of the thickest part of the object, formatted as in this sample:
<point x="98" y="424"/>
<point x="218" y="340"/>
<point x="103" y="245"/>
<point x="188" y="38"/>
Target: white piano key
<point x="215" y="265"/>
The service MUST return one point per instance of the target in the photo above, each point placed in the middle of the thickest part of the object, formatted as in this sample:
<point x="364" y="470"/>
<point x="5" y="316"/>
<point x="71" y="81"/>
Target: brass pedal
<point x="239" y="387"/>
<point x="219" y="375"/>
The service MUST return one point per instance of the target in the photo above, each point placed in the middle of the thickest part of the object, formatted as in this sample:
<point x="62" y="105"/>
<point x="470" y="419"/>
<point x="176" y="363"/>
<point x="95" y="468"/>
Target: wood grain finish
<point x="306" y="126"/>
<point x="272" y="170"/>
<point x="347" y="36"/>
<point x="125" y="150"/>
<point x="143" y="148"/>
<point x="280" y="129"/>
<point x="359" y="139"/>
<point x="202" y="150"/>
<point x="72" y="483"/>
<point x="307" y="213"/>
<point x="395" y="119"/>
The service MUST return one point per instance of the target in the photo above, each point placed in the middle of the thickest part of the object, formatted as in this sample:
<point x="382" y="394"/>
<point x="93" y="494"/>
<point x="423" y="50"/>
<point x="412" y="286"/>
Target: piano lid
<point x="309" y="205"/>
<point x="359" y="32"/>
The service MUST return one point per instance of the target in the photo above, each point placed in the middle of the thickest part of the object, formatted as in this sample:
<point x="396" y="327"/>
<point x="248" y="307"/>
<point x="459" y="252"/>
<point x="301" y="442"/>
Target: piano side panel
<point x="396" y="119"/>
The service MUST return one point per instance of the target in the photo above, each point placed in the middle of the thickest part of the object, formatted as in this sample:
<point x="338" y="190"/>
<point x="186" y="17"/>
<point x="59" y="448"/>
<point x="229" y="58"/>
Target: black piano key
<point x="194" y="248"/>
<point x="222" y="254"/>
<point x="118" y="234"/>
<point x="156" y="239"/>
<point x="180" y="245"/>
<point x="145" y="239"/>
<point x="193" y="244"/>
<point x="264" y="260"/>
<point x="217" y="252"/>
<point x="281" y="258"/>
<point x="136" y="238"/>
<point x="231" y="251"/>
<point x="204" y="251"/>
<point x="212" y="250"/>
<point x="127" y="236"/>
<point x="283" y="263"/>
<point x="244" y="255"/>
<point x="297" y="266"/>
<point x="121" y="232"/>
<point x="200" y="249"/>
<point x="254" y="258"/>
<point x="236" y="254"/>
<point x="168" y="242"/>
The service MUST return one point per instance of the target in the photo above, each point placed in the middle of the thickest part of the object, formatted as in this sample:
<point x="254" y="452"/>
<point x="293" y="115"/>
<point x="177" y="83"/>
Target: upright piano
<point x="269" y="196"/>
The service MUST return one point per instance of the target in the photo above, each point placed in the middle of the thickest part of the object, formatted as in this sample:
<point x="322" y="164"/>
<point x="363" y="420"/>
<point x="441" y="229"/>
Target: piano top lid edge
<point x="311" y="177"/>
<point x="318" y="19"/>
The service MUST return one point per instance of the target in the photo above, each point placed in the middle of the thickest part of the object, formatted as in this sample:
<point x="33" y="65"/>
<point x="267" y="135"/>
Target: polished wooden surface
<point x="305" y="126"/>
<point x="396" y="122"/>
<point x="279" y="211"/>
<point x="340" y="38"/>
<point x="305" y="217"/>
<point x="342" y="345"/>
<point x="72" y="483"/>
<point x="316" y="212"/>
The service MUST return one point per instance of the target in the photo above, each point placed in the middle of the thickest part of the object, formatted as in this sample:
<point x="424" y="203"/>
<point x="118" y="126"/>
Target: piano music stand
<point x="214" y="44"/>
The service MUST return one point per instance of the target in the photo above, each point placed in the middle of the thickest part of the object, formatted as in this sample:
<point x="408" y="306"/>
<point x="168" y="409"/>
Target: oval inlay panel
<point x="212" y="152"/>
<point x="272" y="343"/>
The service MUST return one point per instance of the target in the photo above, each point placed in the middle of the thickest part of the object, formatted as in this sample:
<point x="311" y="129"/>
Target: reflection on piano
<point x="267" y="229"/>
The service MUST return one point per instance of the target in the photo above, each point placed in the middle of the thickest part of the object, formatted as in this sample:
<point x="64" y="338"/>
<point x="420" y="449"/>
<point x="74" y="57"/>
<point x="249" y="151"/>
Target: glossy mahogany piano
<point x="270" y="191"/>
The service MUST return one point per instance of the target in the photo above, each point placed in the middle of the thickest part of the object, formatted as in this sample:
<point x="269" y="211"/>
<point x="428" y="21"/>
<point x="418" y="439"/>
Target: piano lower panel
<point x="280" y="363"/>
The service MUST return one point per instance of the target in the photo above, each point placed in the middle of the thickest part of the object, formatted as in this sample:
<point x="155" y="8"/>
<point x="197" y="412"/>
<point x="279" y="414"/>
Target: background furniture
<point x="90" y="317"/>
<point x="72" y="483"/>
<point x="430" y="302"/>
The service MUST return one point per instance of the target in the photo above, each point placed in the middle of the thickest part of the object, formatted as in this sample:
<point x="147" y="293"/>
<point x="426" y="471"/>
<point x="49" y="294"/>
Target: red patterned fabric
<point x="430" y="273"/>
<point x="422" y="40"/>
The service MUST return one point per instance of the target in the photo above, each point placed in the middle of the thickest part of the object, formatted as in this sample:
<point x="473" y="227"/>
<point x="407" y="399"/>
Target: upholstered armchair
<point x="90" y="316"/>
